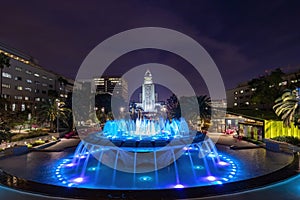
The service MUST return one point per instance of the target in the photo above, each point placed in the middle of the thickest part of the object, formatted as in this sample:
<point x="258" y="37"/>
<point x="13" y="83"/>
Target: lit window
<point x="18" y="69"/>
<point x="5" y="85"/>
<point x="19" y="87"/>
<point x="242" y="91"/>
<point x="28" y="72"/>
<point x="6" y="75"/>
<point x="36" y="74"/>
<point x="28" y="89"/>
<point x="235" y="98"/>
<point x="44" y="77"/>
<point x="235" y="104"/>
<point x="253" y="89"/>
<point x="13" y="107"/>
<point x="18" y="97"/>
<point x="28" y="81"/>
<point x="50" y="79"/>
<point x="37" y="99"/>
<point x="247" y="102"/>
<point x="44" y="84"/>
<point x="235" y="92"/>
<point x="26" y="98"/>
<point x="22" y="107"/>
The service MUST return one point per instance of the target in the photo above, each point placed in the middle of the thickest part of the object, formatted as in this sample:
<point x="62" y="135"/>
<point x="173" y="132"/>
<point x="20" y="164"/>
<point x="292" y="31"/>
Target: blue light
<point x="218" y="182"/>
<point x="225" y="179"/>
<point x="198" y="167"/>
<point x="145" y="178"/>
<point x="92" y="168"/>
<point x="70" y="184"/>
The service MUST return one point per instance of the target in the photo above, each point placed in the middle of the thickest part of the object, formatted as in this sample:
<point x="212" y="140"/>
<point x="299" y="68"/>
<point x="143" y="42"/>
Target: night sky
<point x="244" y="38"/>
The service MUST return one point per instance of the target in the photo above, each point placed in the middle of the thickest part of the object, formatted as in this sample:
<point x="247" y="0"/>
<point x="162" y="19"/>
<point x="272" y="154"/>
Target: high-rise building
<point x="25" y="83"/>
<point x="149" y="97"/>
<point x="111" y="85"/>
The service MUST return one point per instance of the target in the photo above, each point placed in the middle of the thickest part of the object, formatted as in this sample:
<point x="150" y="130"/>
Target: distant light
<point x="178" y="186"/>
<point x="225" y="179"/>
<point x="211" y="178"/>
<point x="185" y="148"/>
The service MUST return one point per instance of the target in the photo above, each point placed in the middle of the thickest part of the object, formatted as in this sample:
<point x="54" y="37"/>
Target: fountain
<point x="145" y="154"/>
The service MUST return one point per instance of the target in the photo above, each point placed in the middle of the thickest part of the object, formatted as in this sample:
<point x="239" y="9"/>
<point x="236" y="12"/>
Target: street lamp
<point x="57" y="115"/>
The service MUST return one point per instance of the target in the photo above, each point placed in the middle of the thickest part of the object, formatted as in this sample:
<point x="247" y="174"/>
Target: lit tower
<point x="148" y="93"/>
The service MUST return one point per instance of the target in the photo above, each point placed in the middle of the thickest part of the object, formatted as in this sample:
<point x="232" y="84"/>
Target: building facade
<point x="240" y="96"/>
<point x="25" y="83"/>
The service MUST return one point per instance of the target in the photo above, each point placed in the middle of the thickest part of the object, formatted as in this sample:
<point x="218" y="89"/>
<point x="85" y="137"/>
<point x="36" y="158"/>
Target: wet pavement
<point x="262" y="162"/>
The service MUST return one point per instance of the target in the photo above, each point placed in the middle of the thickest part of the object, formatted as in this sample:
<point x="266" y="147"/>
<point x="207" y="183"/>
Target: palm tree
<point x="53" y="110"/>
<point x="287" y="107"/>
<point x="4" y="62"/>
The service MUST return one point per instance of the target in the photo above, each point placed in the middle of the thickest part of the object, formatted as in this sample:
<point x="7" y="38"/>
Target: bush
<point x="288" y="139"/>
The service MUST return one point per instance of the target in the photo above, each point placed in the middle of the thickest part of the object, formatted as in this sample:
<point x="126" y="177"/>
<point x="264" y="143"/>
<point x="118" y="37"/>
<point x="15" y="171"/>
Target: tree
<point x="173" y="107"/>
<point x="4" y="62"/>
<point x="287" y="107"/>
<point x="53" y="110"/>
<point x="267" y="89"/>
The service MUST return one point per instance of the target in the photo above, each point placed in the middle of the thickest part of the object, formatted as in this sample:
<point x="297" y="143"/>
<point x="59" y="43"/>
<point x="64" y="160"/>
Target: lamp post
<point x="57" y="115"/>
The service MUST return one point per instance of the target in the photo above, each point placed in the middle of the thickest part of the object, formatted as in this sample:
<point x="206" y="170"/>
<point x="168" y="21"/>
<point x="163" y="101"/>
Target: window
<point x="242" y="91"/>
<point x="44" y="92"/>
<point x="17" y="68"/>
<point x="253" y="89"/>
<point x="28" y="81"/>
<point x="235" y="92"/>
<point x="19" y="87"/>
<point x="37" y="99"/>
<point x="36" y="74"/>
<point x="235" y="104"/>
<point x="44" y="77"/>
<point x="6" y="96"/>
<point x="18" y="78"/>
<point x="44" y="84"/>
<point x="50" y="86"/>
<point x="26" y="98"/>
<point x="28" y="89"/>
<point x="13" y="107"/>
<point x="247" y="103"/>
<point x="18" y="97"/>
<point x="4" y="85"/>
<point x="235" y="98"/>
<point x="37" y="82"/>
<point x="22" y="107"/>
<point x="28" y="72"/>
<point x="50" y="79"/>
<point x="6" y="75"/>
<point x="37" y="91"/>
